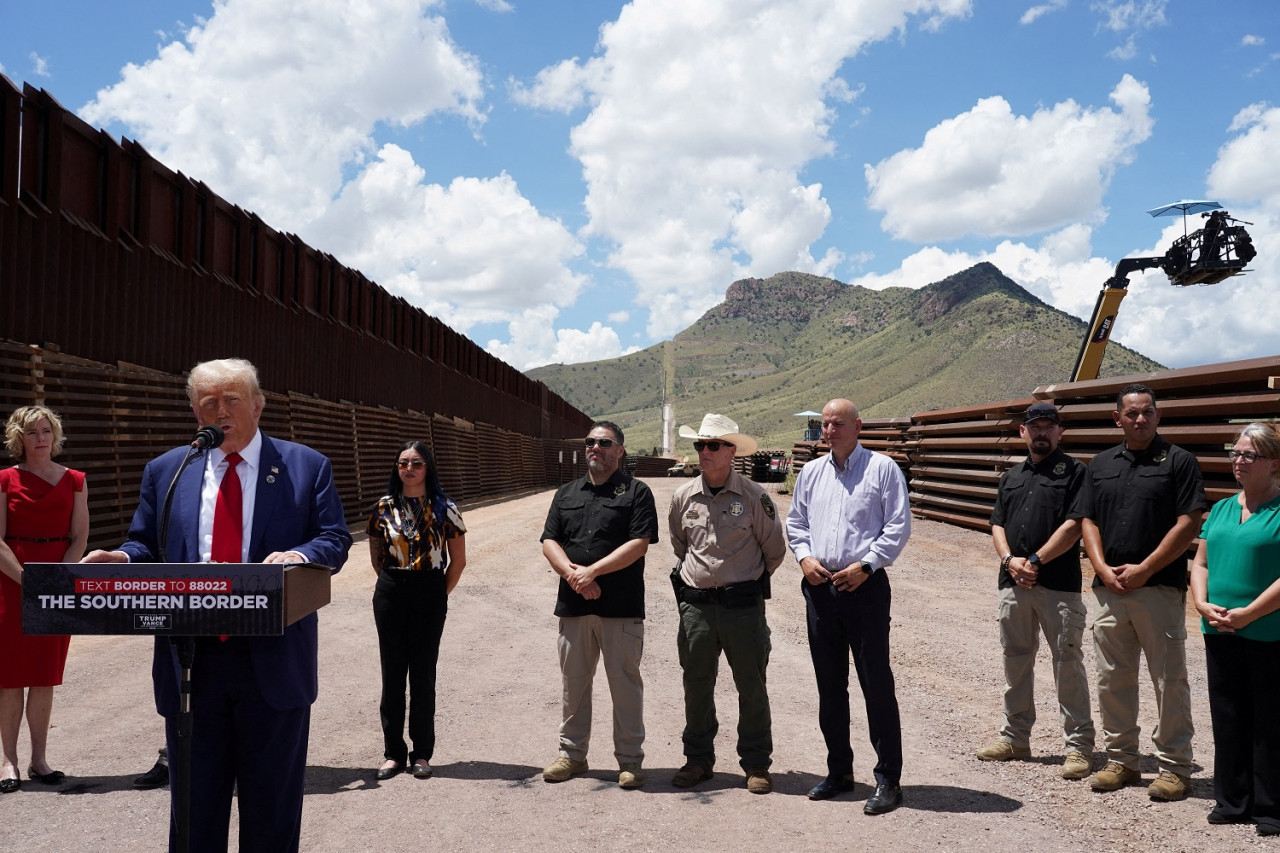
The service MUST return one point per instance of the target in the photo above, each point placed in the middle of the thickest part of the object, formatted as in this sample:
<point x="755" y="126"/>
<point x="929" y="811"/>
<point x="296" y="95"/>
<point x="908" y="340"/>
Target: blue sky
<point x="567" y="180"/>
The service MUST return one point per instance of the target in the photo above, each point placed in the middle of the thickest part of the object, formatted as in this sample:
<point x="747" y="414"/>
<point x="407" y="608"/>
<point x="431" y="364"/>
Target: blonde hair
<point x="1265" y="438"/>
<point x="221" y="372"/>
<point x="23" y="419"/>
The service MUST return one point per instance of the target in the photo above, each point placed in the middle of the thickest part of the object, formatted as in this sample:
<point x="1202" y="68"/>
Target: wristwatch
<point x="866" y="567"/>
<point x="1034" y="559"/>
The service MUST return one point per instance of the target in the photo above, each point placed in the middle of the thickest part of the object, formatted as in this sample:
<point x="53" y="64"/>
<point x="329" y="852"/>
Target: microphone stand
<point x="186" y="655"/>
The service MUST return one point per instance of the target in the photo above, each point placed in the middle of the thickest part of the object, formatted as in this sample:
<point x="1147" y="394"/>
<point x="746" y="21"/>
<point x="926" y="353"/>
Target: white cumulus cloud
<point x="702" y="116"/>
<point x="990" y="173"/>
<point x="272" y="120"/>
<point x="535" y="341"/>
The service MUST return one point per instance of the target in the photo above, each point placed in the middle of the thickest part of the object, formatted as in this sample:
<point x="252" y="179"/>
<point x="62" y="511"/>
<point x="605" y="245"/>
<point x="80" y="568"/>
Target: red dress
<point x="35" y="511"/>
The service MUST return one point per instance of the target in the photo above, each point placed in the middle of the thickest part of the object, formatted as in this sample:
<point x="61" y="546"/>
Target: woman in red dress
<point x="44" y="518"/>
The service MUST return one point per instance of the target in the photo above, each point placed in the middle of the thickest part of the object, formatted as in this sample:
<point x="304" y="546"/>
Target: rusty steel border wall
<point x="118" y="418"/>
<point x="108" y="254"/>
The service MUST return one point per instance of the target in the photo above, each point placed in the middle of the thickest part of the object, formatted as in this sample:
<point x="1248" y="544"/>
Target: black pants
<point x="858" y="621"/>
<point x="1244" y="693"/>
<point x="409" y="608"/>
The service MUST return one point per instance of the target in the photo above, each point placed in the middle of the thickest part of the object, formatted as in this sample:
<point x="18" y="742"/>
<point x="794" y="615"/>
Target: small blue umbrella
<point x="1184" y="207"/>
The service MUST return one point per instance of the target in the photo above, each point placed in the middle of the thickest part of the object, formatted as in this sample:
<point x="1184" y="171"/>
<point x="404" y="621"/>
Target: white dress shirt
<point x="215" y="466"/>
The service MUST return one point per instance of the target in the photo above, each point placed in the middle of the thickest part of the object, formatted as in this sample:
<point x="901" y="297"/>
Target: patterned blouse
<point x="412" y="539"/>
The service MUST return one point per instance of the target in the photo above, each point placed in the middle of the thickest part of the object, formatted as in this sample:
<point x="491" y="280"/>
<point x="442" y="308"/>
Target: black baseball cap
<point x="1042" y="410"/>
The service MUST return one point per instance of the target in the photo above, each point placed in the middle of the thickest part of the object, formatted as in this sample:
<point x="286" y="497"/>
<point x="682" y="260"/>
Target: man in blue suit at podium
<point x="255" y="499"/>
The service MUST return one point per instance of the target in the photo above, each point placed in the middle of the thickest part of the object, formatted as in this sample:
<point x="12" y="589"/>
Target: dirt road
<point x="499" y="689"/>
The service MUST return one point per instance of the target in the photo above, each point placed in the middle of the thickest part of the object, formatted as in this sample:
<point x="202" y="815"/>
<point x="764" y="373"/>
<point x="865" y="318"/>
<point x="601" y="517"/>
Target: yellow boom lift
<point x="1219" y="250"/>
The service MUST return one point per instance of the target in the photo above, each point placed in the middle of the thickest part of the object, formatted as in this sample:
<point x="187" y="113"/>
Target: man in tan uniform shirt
<point x="728" y="538"/>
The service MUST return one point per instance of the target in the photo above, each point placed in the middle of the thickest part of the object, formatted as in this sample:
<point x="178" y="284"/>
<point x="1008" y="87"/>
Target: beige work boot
<point x="1169" y="786"/>
<point x="630" y="775"/>
<point x="1002" y="750"/>
<point x="1113" y="777"/>
<point x="1076" y="765"/>
<point x="564" y="768"/>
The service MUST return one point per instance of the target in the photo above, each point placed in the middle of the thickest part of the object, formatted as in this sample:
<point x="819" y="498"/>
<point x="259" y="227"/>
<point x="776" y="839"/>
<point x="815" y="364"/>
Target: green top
<point x="1243" y="560"/>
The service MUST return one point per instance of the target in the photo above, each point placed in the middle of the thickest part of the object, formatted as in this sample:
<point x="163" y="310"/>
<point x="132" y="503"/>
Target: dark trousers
<point x="859" y="622"/>
<point x="1244" y="693"/>
<point x="409" y="609"/>
<point x="239" y="741"/>
<point x="742" y="634"/>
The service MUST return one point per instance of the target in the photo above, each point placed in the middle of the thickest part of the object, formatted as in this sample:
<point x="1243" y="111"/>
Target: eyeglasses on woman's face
<point x="1243" y="455"/>
<point x="604" y="443"/>
<point x="402" y="464"/>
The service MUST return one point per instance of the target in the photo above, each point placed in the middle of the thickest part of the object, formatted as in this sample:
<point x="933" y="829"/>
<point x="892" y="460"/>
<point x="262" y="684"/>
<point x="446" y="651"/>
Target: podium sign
<point x="170" y="599"/>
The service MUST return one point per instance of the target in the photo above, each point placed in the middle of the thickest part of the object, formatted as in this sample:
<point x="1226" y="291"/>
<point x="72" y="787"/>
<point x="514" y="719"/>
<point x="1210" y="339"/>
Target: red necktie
<point x="228" y="516"/>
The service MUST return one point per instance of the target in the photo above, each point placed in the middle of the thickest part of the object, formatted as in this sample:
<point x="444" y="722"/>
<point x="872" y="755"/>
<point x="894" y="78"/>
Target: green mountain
<point x="791" y="342"/>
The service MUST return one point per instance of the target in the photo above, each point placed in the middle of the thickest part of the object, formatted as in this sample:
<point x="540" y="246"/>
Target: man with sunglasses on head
<point x="728" y="538"/>
<point x="596" y="534"/>
<point x="849" y="520"/>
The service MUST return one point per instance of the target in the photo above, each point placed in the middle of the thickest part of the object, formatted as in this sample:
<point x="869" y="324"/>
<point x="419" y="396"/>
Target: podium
<point x="171" y="599"/>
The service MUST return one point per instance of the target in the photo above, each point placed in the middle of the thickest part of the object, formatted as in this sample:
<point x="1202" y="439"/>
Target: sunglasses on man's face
<point x="410" y="463"/>
<point x="604" y="443"/>
<point x="713" y="446"/>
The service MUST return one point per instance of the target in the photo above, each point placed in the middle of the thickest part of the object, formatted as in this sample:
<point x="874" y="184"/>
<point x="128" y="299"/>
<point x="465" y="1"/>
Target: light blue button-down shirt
<point x="843" y="516"/>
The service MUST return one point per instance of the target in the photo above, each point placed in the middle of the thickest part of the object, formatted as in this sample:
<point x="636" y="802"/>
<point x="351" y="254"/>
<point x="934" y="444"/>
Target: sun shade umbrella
<point x="1184" y="207"/>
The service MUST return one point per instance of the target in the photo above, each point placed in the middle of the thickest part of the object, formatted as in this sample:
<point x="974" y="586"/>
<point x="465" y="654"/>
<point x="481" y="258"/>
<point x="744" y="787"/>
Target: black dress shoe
<point x="886" y="798"/>
<point x="385" y="773"/>
<point x="831" y="786"/>
<point x="53" y="777"/>
<point x="8" y="786"/>
<point x="156" y="777"/>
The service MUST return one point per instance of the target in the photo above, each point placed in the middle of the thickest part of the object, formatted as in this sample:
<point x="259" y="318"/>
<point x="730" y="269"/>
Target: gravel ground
<point x="498" y="713"/>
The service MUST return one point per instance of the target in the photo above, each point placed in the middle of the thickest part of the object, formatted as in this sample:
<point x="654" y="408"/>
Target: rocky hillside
<point x="790" y="342"/>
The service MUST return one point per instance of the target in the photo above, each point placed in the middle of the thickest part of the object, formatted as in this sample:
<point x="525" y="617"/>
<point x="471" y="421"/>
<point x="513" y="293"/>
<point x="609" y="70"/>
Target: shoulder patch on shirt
<point x="768" y="506"/>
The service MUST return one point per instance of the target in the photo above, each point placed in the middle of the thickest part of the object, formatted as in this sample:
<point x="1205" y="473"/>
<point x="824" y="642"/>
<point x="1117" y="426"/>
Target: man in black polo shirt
<point x="1142" y="503"/>
<point x="1035" y="528"/>
<point x="597" y="532"/>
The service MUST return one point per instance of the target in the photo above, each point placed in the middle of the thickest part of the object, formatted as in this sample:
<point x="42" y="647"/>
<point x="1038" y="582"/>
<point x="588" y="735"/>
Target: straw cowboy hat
<point x="720" y="428"/>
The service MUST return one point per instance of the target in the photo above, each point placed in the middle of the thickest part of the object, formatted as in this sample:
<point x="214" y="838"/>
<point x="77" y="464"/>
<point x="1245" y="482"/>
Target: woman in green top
<point x="1235" y="583"/>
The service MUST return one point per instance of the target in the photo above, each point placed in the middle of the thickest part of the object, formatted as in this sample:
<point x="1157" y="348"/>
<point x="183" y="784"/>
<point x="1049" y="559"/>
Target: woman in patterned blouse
<point x="417" y="544"/>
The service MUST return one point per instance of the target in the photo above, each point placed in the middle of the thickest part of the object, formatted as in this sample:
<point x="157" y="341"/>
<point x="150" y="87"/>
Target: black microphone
<point x="207" y="437"/>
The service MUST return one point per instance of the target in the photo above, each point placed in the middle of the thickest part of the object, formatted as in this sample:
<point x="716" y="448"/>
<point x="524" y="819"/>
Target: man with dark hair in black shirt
<point x="597" y="532"/>
<point x="1035" y="528"/>
<point x="1142" y="504"/>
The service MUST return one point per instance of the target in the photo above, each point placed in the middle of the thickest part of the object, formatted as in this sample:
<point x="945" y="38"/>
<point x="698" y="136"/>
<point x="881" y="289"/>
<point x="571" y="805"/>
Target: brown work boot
<point x="1076" y="765"/>
<point x="564" y="768"/>
<point x="690" y="775"/>
<point x="759" y="781"/>
<point x="1169" y="786"/>
<point x="1002" y="750"/>
<point x="1113" y="777"/>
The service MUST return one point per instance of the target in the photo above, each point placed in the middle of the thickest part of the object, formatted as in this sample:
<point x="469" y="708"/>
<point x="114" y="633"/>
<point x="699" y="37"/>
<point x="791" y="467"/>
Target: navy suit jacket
<point x="298" y="510"/>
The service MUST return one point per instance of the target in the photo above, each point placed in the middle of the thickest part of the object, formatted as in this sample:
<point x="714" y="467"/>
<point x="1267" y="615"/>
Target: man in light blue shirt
<point x="850" y="518"/>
